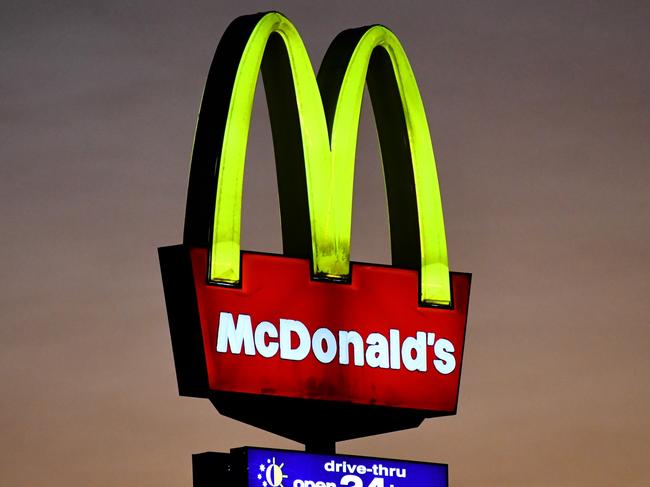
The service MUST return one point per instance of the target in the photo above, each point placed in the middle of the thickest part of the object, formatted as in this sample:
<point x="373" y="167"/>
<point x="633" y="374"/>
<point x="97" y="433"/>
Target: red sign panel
<point x="365" y="342"/>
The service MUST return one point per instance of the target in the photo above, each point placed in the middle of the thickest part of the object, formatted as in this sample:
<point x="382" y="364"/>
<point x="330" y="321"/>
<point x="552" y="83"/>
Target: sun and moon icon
<point x="271" y="474"/>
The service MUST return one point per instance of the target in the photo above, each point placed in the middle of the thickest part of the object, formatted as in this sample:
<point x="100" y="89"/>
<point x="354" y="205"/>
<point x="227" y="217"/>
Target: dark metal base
<point x="316" y="424"/>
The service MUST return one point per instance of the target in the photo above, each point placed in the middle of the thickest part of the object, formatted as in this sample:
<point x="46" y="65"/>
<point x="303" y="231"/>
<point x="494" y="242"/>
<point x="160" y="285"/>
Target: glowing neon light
<point x="329" y="162"/>
<point x="225" y="248"/>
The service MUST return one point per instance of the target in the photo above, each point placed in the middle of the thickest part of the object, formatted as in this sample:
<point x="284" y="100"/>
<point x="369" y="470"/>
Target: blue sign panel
<point x="281" y="468"/>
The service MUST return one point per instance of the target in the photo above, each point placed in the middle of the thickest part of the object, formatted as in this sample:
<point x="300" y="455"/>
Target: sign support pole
<point x="326" y="447"/>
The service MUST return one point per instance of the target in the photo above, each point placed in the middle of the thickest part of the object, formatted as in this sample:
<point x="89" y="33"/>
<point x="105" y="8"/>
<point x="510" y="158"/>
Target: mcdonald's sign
<point x="362" y="348"/>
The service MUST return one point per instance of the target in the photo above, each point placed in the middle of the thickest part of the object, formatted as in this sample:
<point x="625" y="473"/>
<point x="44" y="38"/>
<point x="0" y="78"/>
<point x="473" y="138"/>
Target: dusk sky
<point x="540" y="118"/>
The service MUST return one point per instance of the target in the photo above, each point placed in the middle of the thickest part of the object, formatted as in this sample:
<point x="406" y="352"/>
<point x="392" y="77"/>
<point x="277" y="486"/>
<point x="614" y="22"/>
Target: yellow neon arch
<point x="329" y="159"/>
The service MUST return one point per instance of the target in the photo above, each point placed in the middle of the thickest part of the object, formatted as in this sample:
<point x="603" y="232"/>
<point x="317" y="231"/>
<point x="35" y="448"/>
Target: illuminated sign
<point x="281" y="468"/>
<point x="261" y="467"/>
<point x="255" y="331"/>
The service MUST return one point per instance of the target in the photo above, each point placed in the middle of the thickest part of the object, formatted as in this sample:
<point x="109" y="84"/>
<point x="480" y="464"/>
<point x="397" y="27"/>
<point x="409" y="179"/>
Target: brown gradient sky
<point x="540" y="116"/>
